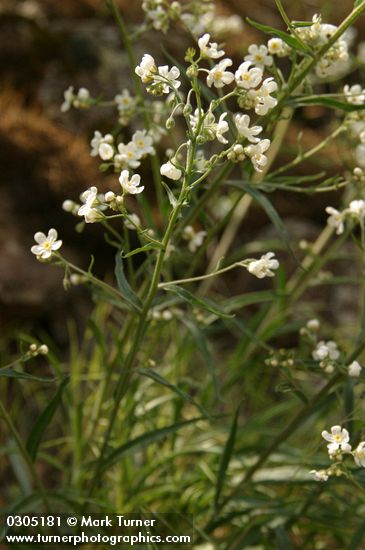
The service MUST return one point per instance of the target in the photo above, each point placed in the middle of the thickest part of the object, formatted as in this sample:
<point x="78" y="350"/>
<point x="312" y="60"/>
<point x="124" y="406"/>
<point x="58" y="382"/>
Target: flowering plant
<point x="176" y="340"/>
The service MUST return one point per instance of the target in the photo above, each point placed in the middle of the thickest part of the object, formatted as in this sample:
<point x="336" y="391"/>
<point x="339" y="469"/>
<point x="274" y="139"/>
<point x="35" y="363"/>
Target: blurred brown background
<point x="46" y="45"/>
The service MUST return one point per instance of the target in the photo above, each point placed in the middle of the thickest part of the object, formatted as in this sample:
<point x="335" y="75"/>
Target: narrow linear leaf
<point x="144" y="440"/>
<point x="358" y="3"/>
<point x="358" y="537"/>
<point x="188" y="297"/>
<point x="203" y="348"/>
<point x="288" y="38"/>
<point x="12" y="373"/>
<point x="271" y="212"/>
<point x="282" y="539"/>
<point x="161" y="380"/>
<point x="171" y="196"/>
<point x="123" y="285"/>
<point x="226" y="457"/>
<point x="326" y="102"/>
<point x="43" y="421"/>
<point x="145" y="248"/>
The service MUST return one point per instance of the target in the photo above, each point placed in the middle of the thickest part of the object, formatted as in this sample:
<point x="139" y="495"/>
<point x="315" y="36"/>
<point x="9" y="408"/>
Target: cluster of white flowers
<point x="122" y="155"/>
<point x="338" y="445"/>
<point x="79" y="100"/>
<point x="327" y="354"/>
<point x="354" y="212"/>
<point x="336" y="60"/>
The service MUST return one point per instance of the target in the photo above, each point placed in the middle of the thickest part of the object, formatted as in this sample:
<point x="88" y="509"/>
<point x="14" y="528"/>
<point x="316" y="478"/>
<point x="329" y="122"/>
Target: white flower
<point x="263" y="100"/>
<point x="170" y="171"/>
<point x="338" y="440"/>
<point x="248" y="78"/>
<point x="221" y="128"/>
<point x="209" y="49"/>
<point x="68" y="98"/>
<point x="277" y="46"/>
<point x="102" y="146"/>
<point x="359" y="454"/>
<point x="169" y="78"/>
<point x="143" y="143"/>
<point x="262" y="268"/>
<point x="259" y="56"/>
<point x="354" y="369"/>
<point x="124" y="100"/>
<point x="195" y="238"/>
<point x="313" y="325"/>
<point x="45" y="244"/>
<point x="128" y="155"/>
<point x="218" y="76"/>
<point x="319" y="475"/>
<point x="242" y="123"/>
<point x="130" y="186"/>
<point x="256" y="154"/>
<point x="147" y="69"/>
<point x="88" y="209"/>
<point x="357" y="208"/>
<point x="354" y="94"/>
<point x="335" y="219"/>
<point x="326" y="350"/>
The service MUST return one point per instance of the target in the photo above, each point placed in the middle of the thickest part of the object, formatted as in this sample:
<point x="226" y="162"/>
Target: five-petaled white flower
<point x="46" y="245"/>
<point x="259" y="56"/>
<point x="354" y="94"/>
<point x="143" y="143"/>
<point x="209" y="49"/>
<point x="247" y="77"/>
<point x="81" y="100"/>
<point x="130" y="186"/>
<point x="263" y="267"/>
<point x="338" y="440"/>
<point x="335" y="219"/>
<point x="359" y="454"/>
<point x="170" y="171"/>
<point x="218" y="76"/>
<point x="195" y="238"/>
<point x="357" y="208"/>
<point x="242" y="123"/>
<point x="278" y="47"/>
<point x="128" y="155"/>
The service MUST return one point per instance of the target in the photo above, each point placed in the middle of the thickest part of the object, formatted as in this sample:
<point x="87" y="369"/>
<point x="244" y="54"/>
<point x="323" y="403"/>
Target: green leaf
<point x="43" y="421"/>
<point x="197" y="302"/>
<point x="171" y="196"/>
<point x="161" y="380"/>
<point x="203" y="348"/>
<point x="358" y="3"/>
<point x="270" y="211"/>
<point x="12" y="373"/>
<point x="243" y="300"/>
<point x="145" y="248"/>
<point x="325" y="101"/>
<point x="123" y="285"/>
<point x="144" y="440"/>
<point x="282" y="539"/>
<point x="288" y="38"/>
<point x="226" y="457"/>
